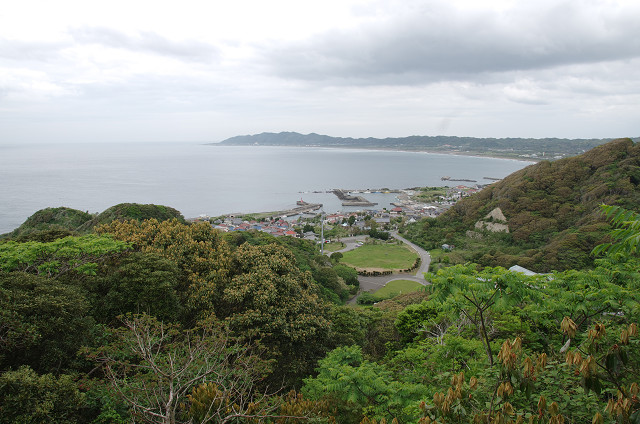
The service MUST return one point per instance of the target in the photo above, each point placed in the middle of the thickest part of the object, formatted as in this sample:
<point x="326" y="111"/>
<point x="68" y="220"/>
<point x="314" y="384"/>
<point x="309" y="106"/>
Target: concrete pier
<point x="302" y="208"/>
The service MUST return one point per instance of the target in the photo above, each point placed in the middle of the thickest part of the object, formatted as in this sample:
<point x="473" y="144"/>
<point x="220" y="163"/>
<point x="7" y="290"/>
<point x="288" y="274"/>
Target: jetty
<point x="447" y="178"/>
<point x="349" y="200"/>
<point x="303" y="207"/>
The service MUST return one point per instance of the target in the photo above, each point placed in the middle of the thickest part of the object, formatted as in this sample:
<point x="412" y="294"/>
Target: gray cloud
<point x="29" y="51"/>
<point x="437" y="42"/>
<point x="398" y="67"/>
<point x="148" y="42"/>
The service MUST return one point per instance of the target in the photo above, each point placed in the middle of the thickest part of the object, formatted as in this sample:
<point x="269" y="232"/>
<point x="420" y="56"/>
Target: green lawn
<point x="430" y="194"/>
<point x="385" y="256"/>
<point x="397" y="287"/>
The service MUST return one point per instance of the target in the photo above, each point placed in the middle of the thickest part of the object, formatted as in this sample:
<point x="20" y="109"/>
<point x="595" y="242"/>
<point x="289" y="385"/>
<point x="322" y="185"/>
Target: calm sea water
<point x="213" y="180"/>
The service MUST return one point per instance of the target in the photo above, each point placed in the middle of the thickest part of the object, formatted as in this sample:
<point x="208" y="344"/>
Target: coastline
<point x="198" y="181"/>
<point x="492" y="155"/>
<point x="444" y="152"/>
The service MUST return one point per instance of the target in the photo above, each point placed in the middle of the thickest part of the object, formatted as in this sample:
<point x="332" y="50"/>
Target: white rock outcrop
<point x="495" y="221"/>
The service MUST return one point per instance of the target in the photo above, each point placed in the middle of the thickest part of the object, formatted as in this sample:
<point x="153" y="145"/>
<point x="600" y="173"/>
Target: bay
<point x="214" y="180"/>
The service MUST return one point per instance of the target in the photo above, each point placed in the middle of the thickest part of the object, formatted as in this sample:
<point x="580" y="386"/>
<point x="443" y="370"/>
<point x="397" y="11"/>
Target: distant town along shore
<point x="410" y="205"/>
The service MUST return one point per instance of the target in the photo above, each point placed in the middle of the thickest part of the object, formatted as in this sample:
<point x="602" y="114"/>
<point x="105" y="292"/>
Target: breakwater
<point x="303" y="207"/>
<point x="349" y="200"/>
<point x="447" y="178"/>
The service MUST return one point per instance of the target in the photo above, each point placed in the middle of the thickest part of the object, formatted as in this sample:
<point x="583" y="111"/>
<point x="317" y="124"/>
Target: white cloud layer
<point x="204" y="71"/>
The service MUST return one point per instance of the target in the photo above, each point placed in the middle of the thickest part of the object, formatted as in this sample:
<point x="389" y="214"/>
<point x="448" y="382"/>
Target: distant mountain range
<point x="532" y="148"/>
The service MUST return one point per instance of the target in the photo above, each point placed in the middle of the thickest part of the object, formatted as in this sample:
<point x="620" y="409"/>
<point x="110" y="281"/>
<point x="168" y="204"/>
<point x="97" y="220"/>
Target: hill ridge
<point x="506" y="147"/>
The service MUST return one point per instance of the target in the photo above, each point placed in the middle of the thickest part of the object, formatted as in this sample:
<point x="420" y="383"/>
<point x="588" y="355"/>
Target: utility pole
<point x="322" y="233"/>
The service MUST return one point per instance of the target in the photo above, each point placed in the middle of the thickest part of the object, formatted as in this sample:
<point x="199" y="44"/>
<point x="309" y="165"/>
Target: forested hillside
<point x="266" y="308"/>
<point x="167" y="322"/>
<point x="551" y="209"/>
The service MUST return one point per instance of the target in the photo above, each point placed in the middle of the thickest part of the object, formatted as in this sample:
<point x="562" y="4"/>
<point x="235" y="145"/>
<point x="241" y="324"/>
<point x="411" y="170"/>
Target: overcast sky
<point x="203" y="71"/>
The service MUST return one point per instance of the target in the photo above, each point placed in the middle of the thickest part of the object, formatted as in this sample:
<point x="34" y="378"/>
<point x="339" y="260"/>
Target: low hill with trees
<point x="550" y="208"/>
<point x="61" y="221"/>
<point x="136" y="211"/>
<point x="51" y="223"/>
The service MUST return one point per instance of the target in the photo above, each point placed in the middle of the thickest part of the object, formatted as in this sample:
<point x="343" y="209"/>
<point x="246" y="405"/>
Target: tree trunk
<point x="485" y="338"/>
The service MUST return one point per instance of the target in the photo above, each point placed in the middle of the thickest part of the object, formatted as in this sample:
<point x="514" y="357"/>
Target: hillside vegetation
<point x="148" y="321"/>
<point x="60" y="220"/>
<point x="51" y="223"/>
<point x="136" y="211"/>
<point x="551" y="210"/>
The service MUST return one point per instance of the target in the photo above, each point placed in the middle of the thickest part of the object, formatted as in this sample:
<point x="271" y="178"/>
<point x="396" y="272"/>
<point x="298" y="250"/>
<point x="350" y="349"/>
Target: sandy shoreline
<point x="440" y="152"/>
<point x="492" y="155"/>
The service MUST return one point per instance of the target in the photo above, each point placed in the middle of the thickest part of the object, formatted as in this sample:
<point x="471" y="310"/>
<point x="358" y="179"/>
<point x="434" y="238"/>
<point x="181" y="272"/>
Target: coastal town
<point x="304" y="221"/>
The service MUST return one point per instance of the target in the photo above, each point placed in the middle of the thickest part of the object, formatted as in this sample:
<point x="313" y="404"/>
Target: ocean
<point x="211" y="180"/>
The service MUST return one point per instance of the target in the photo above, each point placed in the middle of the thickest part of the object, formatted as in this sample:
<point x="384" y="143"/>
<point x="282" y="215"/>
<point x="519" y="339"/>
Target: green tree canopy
<point x="475" y="293"/>
<point x="44" y="323"/>
<point x="26" y="397"/>
<point x="198" y="250"/>
<point x="136" y="283"/>
<point x="78" y="254"/>
<point x="270" y="299"/>
<point x="360" y="385"/>
<point x="626" y="232"/>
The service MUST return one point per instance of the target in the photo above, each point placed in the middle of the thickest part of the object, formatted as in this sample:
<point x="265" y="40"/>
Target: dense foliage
<point x="131" y="280"/>
<point x="135" y="211"/>
<point x="51" y="223"/>
<point x="496" y="346"/>
<point x="51" y="220"/>
<point x="551" y="210"/>
<point x="179" y="323"/>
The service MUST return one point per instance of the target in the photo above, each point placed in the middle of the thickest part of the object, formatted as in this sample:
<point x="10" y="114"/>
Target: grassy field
<point x="384" y="256"/>
<point x="430" y="194"/>
<point x="398" y="287"/>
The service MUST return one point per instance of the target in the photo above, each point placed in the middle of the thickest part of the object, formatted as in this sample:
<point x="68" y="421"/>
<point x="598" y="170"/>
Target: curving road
<point x="374" y="283"/>
<point x="425" y="258"/>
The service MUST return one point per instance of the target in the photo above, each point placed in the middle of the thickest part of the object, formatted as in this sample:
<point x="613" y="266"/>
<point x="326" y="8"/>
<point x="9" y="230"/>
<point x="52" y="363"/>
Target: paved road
<point x="374" y="283"/>
<point x="350" y="243"/>
<point x="425" y="258"/>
